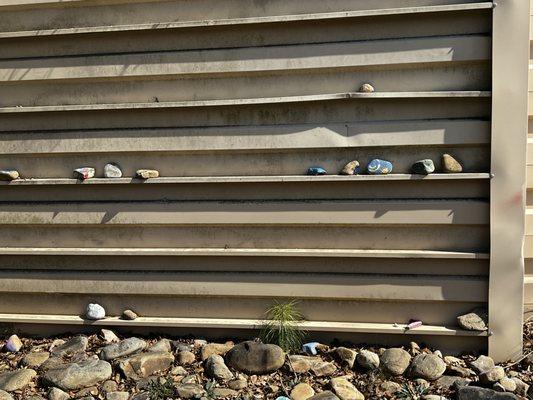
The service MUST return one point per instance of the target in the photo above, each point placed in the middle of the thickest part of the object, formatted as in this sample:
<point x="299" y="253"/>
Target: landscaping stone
<point x="179" y="370"/>
<point x="13" y="344"/>
<point x="255" y="358"/>
<point x="57" y="394"/>
<point x="117" y="396"/>
<point x="190" y="391"/>
<point x="215" y="348"/>
<point x="505" y="385"/>
<point x="78" y="344"/>
<point x="379" y="167"/>
<point x="521" y="386"/>
<point x="123" y="348"/>
<point x="366" y="88"/>
<point x="222" y="393"/>
<point x="345" y="390"/>
<point x="79" y="375"/>
<point x="316" y="171"/>
<point x="16" y="380"/>
<point x="325" y="395"/>
<point x="186" y="357"/>
<point x="145" y="364"/>
<point x="427" y="366"/>
<point x="129" y="315"/>
<point x="451" y="382"/>
<point x="302" y="364"/>
<point x="346" y="356"/>
<point x="35" y="359"/>
<point x="8" y="175"/>
<point x="238" y="384"/>
<point x="389" y="388"/>
<point x="323" y="368"/>
<point x="423" y="167"/>
<point x="367" y="360"/>
<point x="450" y="165"/>
<point x="456" y="370"/>
<point x="161" y="345"/>
<point x="477" y="393"/>
<point x="112" y="170"/>
<point x="95" y="311"/>
<point x="109" y="336"/>
<point x="482" y="364"/>
<point x="84" y="173"/>
<point x="5" y="395"/>
<point x="476" y="320"/>
<point x="492" y="376"/>
<point x="395" y="361"/>
<point x="146" y="173"/>
<point x="110" y="386"/>
<point x="302" y="391"/>
<point x="352" y="168"/>
<point x="216" y="368"/>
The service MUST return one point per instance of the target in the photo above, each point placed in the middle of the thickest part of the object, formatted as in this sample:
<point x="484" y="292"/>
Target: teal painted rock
<point x="423" y="167"/>
<point x="316" y="171"/>
<point x="379" y="167"/>
<point x="352" y="168"/>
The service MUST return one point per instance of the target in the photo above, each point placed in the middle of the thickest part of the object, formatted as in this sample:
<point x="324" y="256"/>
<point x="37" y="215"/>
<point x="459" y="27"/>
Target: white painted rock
<point x="95" y="311"/>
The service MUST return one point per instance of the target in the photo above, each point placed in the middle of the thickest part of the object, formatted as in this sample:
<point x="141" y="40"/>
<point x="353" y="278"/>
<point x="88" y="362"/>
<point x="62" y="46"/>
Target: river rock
<point x="255" y="358"/>
<point x="129" y="315"/>
<point x="367" y="360"/>
<point x="477" y="393"/>
<point x="216" y="368"/>
<point x="451" y="382"/>
<point x="78" y="375"/>
<point x="215" y="348"/>
<point x="161" y="345"/>
<point x="427" y="366"/>
<point x="83" y="173"/>
<point x="109" y="336"/>
<point x="35" y="358"/>
<point x="302" y="364"/>
<point x="16" y="380"/>
<point x="379" y="167"/>
<point x="316" y="171"/>
<point x="238" y="384"/>
<point x="145" y="364"/>
<point x="5" y="395"/>
<point x="346" y="356"/>
<point x="95" y="311"/>
<point x="8" y="175"/>
<point x="112" y="170"/>
<point x="345" y="390"/>
<point x="78" y="344"/>
<point x="146" y="173"/>
<point x="190" y="391"/>
<point x="325" y="395"/>
<point x="13" y="344"/>
<point x="57" y="394"/>
<point x="482" y="364"/>
<point x="186" y="357"/>
<point x="123" y="348"/>
<point x="395" y="361"/>
<point x="117" y="396"/>
<point x="423" y="167"/>
<point x="505" y="385"/>
<point x="450" y="165"/>
<point x="302" y="391"/>
<point x="457" y="370"/>
<point x="352" y="168"/>
<point x="492" y="376"/>
<point x="323" y="368"/>
<point x="366" y="88"/>
<point x="521" y="387"/>
<point x="476" y="320"/>
<point x="389" y="388"/>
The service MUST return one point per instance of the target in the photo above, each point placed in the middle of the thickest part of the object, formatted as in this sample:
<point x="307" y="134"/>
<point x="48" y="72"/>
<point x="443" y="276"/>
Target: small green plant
<point x="161" y="390"/>
<point x="282" y="326"/>
<point x="411" y="392"/>
<point x="210" y="389"/>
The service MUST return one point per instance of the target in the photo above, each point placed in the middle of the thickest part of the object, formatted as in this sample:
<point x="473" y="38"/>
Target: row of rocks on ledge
<point x="106" y="367"/>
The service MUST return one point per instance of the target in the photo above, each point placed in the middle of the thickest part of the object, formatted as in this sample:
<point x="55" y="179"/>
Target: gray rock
<point x="521" y="386"/>
<point x="457" y="370"/>
<point x="346" y="356"/>
<point x="8" y="175"/>
<point x="95" y="311"/>
<point x="129" y="315"/>
<point x="427" y="366"/>
<point x="476" y="320"/>
<point x="345" y="390"/>
<point x="493" y="375"/>
<point x="451" y="382"/>
<point x="190" y="391"/>
<point x="146" y="364"/>
<point x="477" y="393"/>
<point x="78" y="344"/>
<point x="482" y="364"/>
<point x="433" y="397"/>
<point x="13" y="344"/>
<point x="367" y="360"/>
<point x="222" y="393"/>
<point x="323" y="368"/>
<point x="216" y="368"/>
<point x="186" y="357"/>
<point x="161" y="345"/>
<point x="141" y="396"/>
<point x="505" y="385"/>
<point x="16" y="380"/>
<point x="123" y="348"/>
<point x="78" y="375"/>
<point x="389" y="388"/>
<point x="215" y="348"/>
<point x="117" y="396"/>
<point x="255" y="358"/>
<point x="146" y="173"/>
<point x="5" y="395"/>
<point x="395" y="361"/>
<point x="325" y="395"/>
<point x="109" y="386"/>
<point x="238" y="384"/>
<point x="450" y="165"/>
<point x="57" y="394"/>
<point x="84" y="173"/>
<point x="112" y="170"/>
<point x="178" y="371"/>
<point x="302" y="364"/>
<point x="35" y="358"/>
<point x="109" y="336"/>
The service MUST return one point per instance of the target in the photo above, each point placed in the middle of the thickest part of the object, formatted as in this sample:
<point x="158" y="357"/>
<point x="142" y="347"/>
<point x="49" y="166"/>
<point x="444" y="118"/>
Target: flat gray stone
<point x="78" y="344"/>
<point x="476" y="320"/>
<point x="216" y="368"/>
<point x="255" y="358"/>
<point x="492" y="376"/>
<point x="345" y="390"/>
<point x="35" y="359"/>
<point x="57" y="394"/>
<point x="367" y="360"/>
<point x="78" y="375"/>
<point x="482" y="364"/>
<point x="190" y="390"/>
<point x="5" y="395"/>
<point x="117" y="396"/>
<point x="123" y="348"/>
<point x="346" y="356"/>
<point x="143" y="365"/>
<point x="16" y="380"/>
<point x="325" y="395"/>
<point x="477" y="393"/>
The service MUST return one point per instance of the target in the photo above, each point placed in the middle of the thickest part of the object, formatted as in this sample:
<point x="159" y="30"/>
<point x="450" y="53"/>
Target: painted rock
<point x="84" y="173"/>
<point x="311" y="348"/>
<point x="367" y="88"/>
<point x="352" y="168"/>
<point x="112" y="170"/>
<point x="13" y="344"/>
<point x="95" y="311"/>
<point x="9" y="175"/>
<point x="450" y="165"/>
<point x="316" y="171"/>
<point x="379" y="167"/>
<point x="147" y="173"/>
<point x="423" y="167"/>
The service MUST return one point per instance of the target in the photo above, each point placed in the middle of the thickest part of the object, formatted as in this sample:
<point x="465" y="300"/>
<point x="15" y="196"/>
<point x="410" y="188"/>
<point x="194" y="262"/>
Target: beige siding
<point x="528" y="246"/>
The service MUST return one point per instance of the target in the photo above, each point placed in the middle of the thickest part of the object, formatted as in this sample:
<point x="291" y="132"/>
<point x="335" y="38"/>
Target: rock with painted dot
<point x="379" y="167"/>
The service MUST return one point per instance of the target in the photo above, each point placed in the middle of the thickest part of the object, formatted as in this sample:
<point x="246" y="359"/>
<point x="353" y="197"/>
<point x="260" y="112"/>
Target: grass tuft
<point x="282" y="326"/>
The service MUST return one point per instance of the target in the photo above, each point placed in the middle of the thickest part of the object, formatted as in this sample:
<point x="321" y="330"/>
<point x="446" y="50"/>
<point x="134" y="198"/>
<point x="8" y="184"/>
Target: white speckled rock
<point x="95" y="311"/>
<point x="112" y="170"/>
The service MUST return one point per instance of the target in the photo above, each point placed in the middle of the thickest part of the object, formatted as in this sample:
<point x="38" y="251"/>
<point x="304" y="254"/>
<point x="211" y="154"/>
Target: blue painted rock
<point x="316" y="171"/>
<point x="379" y="167"/>
<point x="423" y="167"/>
<point x="352" y="168"/>
<point x="311" y="348"/>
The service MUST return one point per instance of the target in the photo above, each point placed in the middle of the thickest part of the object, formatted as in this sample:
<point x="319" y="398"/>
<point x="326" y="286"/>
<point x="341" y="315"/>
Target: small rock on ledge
<point x="95" y="311"/>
